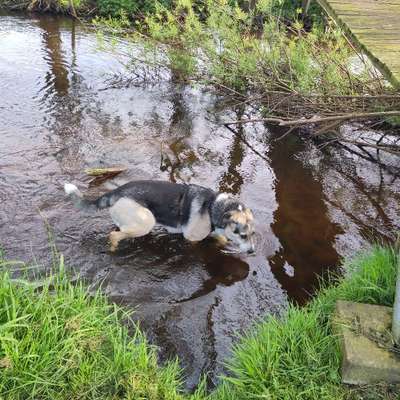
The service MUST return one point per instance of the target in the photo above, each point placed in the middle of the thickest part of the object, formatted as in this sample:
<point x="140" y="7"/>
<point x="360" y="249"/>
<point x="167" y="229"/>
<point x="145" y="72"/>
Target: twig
<point x="374" y="146"/>
<point x="104" y="171"/>
<point x="290" y="130"/>
<point x="315" y="120"/>
<point x="252" y="120"/>
<point x="326" y="128"/>
<point x="244" y="140"/>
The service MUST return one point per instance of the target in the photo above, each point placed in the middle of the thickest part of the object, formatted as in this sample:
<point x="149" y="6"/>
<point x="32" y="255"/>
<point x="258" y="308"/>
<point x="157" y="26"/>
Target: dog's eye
<point x="236" y="231"/>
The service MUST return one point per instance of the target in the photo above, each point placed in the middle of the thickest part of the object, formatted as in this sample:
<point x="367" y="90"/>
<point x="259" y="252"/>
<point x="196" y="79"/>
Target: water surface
<point x="59" y="115"/>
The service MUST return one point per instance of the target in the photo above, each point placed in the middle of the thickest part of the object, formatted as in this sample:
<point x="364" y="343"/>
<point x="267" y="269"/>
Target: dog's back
<point x="163" y="199"/>
<point x="170" y="203"/>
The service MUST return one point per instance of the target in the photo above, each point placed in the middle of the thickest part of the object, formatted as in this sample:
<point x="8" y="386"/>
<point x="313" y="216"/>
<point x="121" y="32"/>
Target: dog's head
<point x="235" y="222"/>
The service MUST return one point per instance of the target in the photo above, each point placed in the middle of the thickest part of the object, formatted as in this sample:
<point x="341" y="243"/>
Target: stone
<point x="366" y="343"/>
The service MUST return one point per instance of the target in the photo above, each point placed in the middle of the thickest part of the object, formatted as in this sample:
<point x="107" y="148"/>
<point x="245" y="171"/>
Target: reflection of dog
<point x="192" y="210"/>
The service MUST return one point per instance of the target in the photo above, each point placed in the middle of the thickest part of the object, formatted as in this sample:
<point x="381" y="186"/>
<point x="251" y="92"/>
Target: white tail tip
<point x="70" y="188"/>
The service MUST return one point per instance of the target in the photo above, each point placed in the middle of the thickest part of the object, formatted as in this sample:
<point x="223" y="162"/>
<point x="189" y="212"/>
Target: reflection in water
<point x="232" y="179"/>
<point x="176" y="154"/>
<point x="301" y="222"/>
<point x="63" y="90"/>
<point x="373" y="197"/>
<point x="57" y="77"/>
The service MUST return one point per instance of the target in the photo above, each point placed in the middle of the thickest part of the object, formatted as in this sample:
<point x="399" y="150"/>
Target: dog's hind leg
<point x="125" y="233"/>
<point x="115" y="237"/>
<point x="132" y="219"/>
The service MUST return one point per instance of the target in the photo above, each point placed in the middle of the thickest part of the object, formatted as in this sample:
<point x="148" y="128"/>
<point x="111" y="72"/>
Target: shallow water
<point x="59" y="115"/>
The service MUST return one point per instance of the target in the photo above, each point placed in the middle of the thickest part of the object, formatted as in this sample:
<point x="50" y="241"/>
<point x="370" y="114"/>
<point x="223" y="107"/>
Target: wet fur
<point x="196" y="211"/>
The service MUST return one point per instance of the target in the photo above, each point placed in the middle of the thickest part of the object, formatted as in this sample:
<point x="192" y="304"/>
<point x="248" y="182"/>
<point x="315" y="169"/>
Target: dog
<point x="193" y="210"/>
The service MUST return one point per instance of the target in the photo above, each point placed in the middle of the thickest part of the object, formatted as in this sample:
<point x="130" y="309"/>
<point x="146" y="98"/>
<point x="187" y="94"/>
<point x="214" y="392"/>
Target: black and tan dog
<point x="193" y="210"/>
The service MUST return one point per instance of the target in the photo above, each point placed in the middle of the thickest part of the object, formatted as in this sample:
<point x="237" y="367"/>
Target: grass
<point x="62" y="343"/>
<point x="59" y="342"/>
<point x="297" y="357"/>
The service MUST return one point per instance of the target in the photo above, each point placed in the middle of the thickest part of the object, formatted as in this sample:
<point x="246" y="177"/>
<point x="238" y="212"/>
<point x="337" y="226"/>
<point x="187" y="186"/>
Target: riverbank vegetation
<point x="58" y="341"/>
<point x="297" y="356"/>
<point x="71" y="7"/>
<point x="87" y="8"/>
<point x="265" y="57"/>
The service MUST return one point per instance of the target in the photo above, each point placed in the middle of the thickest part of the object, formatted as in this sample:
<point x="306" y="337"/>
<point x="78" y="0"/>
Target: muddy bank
<point x="59" y="116"/>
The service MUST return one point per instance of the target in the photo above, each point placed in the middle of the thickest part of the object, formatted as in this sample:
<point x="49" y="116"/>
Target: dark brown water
<point x="58" y="116"/>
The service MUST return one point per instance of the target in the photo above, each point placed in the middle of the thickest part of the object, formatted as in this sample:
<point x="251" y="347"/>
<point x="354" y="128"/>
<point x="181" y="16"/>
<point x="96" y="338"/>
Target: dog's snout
<point x="251" y="250"/>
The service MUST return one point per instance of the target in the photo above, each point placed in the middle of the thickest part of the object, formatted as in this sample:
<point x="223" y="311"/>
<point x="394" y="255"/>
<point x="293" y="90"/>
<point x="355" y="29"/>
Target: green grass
<point x="59" y="342"/>
<point x="297" y="357"/>
<point x="62" y="343"/>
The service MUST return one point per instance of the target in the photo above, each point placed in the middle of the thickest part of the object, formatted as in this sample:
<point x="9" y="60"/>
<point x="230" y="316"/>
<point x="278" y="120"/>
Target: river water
<point x="59" y="114"/>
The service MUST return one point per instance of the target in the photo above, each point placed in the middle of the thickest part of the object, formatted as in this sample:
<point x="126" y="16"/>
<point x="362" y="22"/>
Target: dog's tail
<point x="79" y="201"/>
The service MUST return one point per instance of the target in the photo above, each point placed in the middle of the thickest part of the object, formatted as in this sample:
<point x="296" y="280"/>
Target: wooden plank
<point x="374" y="26"/>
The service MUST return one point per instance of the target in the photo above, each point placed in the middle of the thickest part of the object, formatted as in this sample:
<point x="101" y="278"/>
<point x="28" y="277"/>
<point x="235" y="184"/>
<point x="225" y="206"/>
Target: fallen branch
<point x="102" y="174"/>
<point x="387" y="148"/>
<point x="316" y="120"/>
<point x="104" y="171"/>
<point x="327" y="128"/>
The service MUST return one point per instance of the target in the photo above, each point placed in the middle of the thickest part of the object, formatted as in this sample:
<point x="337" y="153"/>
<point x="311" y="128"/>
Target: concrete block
<point x="366" y="343"/>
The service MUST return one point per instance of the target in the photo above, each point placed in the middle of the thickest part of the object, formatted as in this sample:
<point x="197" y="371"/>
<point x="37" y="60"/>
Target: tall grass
<point x="62" y="343"/>
<point x="297" y="357"/>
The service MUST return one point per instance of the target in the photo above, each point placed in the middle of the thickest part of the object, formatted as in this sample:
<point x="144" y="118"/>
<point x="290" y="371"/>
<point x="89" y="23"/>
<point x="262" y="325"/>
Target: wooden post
<point x="396" y="305"/>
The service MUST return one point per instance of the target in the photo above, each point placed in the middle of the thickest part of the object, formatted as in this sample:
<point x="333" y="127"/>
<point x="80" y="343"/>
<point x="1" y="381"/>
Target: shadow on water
<point x="59" y="117"/>
<point x="218" y="268"/>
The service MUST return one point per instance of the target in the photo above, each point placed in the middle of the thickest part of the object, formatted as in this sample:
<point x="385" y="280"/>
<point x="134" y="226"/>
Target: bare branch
<point x="316" y="120"/>
<point x="387" y="148"/>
